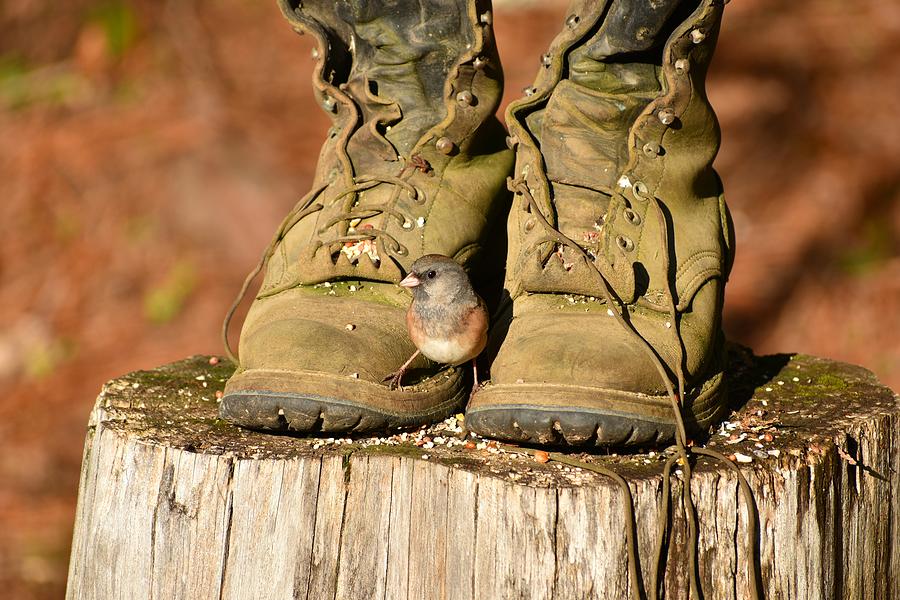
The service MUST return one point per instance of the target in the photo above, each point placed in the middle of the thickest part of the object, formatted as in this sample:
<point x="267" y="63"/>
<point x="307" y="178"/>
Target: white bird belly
<point x="448" y="352"/>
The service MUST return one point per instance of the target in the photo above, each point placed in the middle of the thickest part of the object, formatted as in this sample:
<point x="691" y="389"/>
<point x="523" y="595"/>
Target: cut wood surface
<point x="175" y="503"/>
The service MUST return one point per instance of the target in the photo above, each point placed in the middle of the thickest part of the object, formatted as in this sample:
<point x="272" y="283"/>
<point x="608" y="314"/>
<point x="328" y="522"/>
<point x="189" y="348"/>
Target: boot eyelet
<point x="640" y="190"/>
<point x="529" y="225"/>
<point x="682" y="66"/>
<point x="624" y="243"/>
<point x="632" y="217"/>
<point x="444" y="145"/>
<point x="480" y="63"/>
<point x="652" y="149"/>
<point x="465" y="98"/>
<point x="572" y="21"/>
<point x="546" y="60"/>
<point x="666" y="116"/>
<point x="486" y="18"/>
<point x="698" y="35"/>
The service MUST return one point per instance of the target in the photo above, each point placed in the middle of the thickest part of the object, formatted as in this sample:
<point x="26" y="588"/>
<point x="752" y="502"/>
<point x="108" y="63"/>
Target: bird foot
<point x="394" y="379"/>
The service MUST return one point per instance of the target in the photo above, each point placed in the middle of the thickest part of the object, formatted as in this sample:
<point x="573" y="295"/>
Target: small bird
<point x="447" y="320"/>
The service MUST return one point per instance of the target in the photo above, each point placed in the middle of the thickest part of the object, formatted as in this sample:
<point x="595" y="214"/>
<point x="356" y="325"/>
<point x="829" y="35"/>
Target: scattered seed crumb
<point x="213" y="360"/>
<point x="354" y="375"/>
<point x="219" y="394"/>
<point x="742" y="458"/>
<point x="768" y="389"/>
<point x="424" y="457"/>
<point x="349" y="326"/>
<point x="541" y="456"/>
<point x="780" y="382"/>
<point x="796" y="379"/>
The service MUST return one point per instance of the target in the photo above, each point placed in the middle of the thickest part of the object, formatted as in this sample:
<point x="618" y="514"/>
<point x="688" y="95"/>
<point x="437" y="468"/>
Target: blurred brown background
<point x="150" y="148"/>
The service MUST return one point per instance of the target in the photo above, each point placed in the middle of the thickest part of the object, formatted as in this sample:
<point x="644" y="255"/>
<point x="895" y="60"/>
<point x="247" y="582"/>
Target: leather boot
<point x="620" y="239"/>
<point x="415" y="163"/>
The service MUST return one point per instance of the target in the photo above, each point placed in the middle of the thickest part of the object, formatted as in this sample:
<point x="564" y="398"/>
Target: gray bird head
<point x="437" y="276"/>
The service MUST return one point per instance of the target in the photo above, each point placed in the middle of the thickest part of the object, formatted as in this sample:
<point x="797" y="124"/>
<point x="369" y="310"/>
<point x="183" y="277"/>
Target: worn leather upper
<point x="414" y="162"/>
<point x="615" y="144"/>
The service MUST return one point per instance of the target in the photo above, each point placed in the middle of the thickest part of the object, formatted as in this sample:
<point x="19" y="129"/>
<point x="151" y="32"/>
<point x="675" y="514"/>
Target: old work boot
<point x="620" y="240"/>
<point x="414" y="164"/>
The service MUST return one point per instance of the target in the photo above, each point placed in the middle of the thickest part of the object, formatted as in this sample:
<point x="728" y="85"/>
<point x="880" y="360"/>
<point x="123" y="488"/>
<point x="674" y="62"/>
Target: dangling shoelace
<point x="683" y="450"/>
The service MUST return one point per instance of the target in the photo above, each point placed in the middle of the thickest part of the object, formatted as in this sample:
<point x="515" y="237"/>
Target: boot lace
<point x="676" y="392"/>
<point x="358" y="240"/>
<point x="357" y="212"/>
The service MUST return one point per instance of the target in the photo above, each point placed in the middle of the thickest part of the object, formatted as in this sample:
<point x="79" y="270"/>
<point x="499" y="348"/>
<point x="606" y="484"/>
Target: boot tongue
<point x="589" y="116"/>
<point x="402" y="60"/>
<point x="613" y="75"/>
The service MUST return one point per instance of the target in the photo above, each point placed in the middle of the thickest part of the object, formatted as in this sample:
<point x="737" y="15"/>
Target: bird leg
<point x="475" y="378"/>
<point x="397" y="375"/>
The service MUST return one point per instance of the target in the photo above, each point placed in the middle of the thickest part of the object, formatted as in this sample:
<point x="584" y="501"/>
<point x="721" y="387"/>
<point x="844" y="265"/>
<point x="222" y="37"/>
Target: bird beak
<point x="410" y="281"/>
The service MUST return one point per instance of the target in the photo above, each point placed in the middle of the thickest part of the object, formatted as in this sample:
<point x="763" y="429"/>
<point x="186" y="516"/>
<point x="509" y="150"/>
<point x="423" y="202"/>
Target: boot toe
<point x="311" y="361"/>
<point x="573" y="375"/>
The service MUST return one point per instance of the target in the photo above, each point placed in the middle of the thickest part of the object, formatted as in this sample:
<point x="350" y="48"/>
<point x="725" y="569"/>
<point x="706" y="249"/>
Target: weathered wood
<point x="174" y="503"/>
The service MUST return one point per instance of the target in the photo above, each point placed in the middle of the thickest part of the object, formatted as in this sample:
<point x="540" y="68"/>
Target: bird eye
<point x="430" y="274"/>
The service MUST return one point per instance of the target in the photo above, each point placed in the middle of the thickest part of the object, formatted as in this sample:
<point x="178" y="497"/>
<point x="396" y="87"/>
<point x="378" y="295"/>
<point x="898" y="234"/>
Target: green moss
<point x="831" y="383"/>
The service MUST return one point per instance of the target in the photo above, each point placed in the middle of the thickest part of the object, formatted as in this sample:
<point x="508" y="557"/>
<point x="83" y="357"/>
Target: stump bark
<point x="175" y="503"/>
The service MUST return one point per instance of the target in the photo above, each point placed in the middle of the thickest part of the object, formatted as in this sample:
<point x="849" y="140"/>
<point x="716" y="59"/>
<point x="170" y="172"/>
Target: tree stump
<point x="175" y="503"/>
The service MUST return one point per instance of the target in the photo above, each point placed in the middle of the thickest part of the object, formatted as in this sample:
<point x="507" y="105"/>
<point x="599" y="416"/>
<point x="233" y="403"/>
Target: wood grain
<point x="173" y="503"/>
